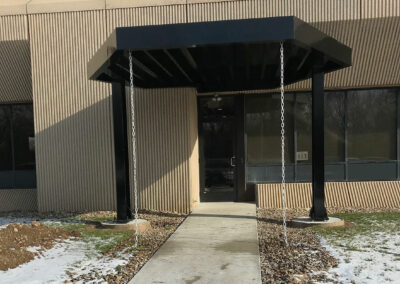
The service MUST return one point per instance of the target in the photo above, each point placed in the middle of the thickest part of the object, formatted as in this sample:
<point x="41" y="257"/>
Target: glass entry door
<point x="218" y="148"/>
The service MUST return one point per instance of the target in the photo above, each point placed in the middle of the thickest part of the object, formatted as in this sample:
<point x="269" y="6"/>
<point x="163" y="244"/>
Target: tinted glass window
<point x="303" y="127"/>
<point x="5" y="139"/>
<point x="17" y="147"/>
<point x="372" y="124"/>
<point x="263" y="128"/>
<point x="334" y="126"/>
<point x="24" y="147"/>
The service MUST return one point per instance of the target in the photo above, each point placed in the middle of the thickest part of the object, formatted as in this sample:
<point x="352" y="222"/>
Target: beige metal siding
<point x="74" y="131"/>
<point x="376" y="53"/>
<point x="165" y="148"/>
<point x="337" y="195"/>
<point x="15" y="86"/>
<point x="298" y="195"/>
<point x="15" y="66"/>
<point x="308" y="10"/>
<point x="74" y="146"/>
<point x="143" y="16"/>
<point x="380" y="8"/>
<point x="18" y="200"/>
<point x="74" y="137"/>
<point x="379" y="194"/>
<point x="194" y="170"/>
<point x="167" y="145"/>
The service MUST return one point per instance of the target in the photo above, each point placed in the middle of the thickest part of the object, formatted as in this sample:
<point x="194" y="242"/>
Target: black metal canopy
<point x="218" y="56"/>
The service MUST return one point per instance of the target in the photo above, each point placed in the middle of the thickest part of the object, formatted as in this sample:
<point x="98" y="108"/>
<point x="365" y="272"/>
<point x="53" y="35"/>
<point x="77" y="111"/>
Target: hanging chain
<point x="283" y="142"/>
<point x="133" y="133"/>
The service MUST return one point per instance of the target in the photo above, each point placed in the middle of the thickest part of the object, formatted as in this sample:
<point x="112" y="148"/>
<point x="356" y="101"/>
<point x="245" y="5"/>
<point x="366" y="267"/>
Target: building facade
<point x="56" y="139"/>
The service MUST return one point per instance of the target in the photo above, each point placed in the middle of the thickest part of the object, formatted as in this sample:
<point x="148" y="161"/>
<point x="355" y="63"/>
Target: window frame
<point x="347" y="170"/>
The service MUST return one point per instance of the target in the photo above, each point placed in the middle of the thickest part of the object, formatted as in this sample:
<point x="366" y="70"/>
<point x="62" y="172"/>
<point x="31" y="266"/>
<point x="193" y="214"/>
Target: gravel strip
<point x="162" y="226"/>
<point x="297" y="263"/>
<point x="305" y="260"/>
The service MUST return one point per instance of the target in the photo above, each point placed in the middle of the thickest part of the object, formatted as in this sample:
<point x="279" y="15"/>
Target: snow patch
<point x="367" y="259"/>
<point x="72" y="257"/>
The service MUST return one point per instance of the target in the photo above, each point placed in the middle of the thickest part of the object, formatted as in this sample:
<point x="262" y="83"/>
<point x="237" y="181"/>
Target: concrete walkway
<point x="217" y="243"/>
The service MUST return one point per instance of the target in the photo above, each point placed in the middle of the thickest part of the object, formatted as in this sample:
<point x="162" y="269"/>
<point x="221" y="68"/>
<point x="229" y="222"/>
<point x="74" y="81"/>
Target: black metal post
<point x="124" y="213"/>
<point x="318" y="210"/>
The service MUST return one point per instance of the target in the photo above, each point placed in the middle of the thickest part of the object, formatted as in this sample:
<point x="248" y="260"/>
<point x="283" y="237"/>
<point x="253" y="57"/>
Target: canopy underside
<point x="218" y="56"/>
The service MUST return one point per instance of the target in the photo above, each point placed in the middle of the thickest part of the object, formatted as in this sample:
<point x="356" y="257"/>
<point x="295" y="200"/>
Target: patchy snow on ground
<point x="66" y="258"/>
<point x="372" y="258"/>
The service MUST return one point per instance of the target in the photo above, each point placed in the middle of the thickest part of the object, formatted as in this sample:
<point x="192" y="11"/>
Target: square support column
<point x="318" y="210"/>
<point x="124" y="213"/>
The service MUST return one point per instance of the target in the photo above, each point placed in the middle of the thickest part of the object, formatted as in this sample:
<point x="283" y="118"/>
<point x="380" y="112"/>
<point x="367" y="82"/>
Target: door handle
<point x="232" y="164"/>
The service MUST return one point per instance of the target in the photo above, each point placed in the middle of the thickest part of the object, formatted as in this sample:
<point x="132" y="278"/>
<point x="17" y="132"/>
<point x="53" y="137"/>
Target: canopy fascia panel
<point x="218" y="56"/>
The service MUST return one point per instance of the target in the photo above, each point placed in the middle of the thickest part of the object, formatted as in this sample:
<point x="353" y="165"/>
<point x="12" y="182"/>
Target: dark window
<point x="24" y="152"/>
<point x="334" y="127"/>
<point x="372" y="125"/>
<point x="263" y="127"/>
<point x="303" y="128"/>
<point x="366" y="118"/>
<point x="17" y="146"/>
<point x="5" y="139"/>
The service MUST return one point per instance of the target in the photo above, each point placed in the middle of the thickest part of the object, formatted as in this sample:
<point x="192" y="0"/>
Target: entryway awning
<point x="218" y="56"/>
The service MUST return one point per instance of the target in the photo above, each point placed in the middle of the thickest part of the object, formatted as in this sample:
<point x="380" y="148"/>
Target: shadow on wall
<point x="167" y="149"/>
<point x="15" y="71"/>
<point x="75" y="155"/>
<point x="376" y="49"/>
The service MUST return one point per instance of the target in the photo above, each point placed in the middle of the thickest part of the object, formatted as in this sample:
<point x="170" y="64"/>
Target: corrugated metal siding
<point x="18" y="200"/>
<point x="75" y="158"/>
<point x="15" y="66"/>
<point x="194" y="171"/>
<point x="164" y="148"/>
<point x="15" y="86"/>
<point x="376" y="52"/>
<point x="74" y="145"/>
<point x="143" y="16"/>
<point x="298" y="195"/>
<point x="308" y="10"/>
<point x="379" y="194"/>
<point x="167" y="173"/>
<point x="337" y="195"/>
<point x="74" y="132"/>
<point x="380" y="8"/>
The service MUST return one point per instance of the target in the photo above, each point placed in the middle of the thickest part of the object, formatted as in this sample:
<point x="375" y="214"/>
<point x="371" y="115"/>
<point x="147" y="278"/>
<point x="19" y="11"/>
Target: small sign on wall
<point x="302" y="156"/>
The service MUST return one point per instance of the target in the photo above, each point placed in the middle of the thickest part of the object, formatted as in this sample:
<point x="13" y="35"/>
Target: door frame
<point x="240" y="169"/>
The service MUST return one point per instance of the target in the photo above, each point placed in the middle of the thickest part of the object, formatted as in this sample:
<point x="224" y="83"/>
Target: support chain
<point x="283" y="142"/>
<point x="133" y="133"/>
